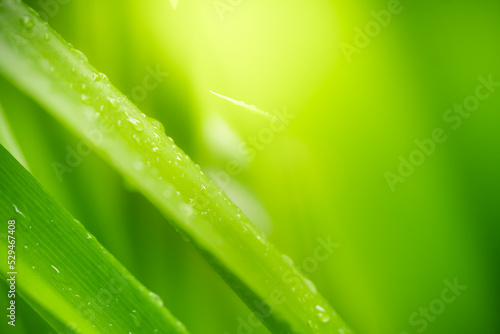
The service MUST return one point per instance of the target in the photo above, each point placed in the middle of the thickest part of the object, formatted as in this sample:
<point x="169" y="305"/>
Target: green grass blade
<point x="63" y="272"/>
<point x="8" y="140"/>
<point x="41" y="63"/>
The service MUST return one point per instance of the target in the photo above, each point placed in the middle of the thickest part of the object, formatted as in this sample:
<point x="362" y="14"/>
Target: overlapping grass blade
<point x="41" y="63"/>
<point x="8" y="140"/>
<point x="63" y="272"/>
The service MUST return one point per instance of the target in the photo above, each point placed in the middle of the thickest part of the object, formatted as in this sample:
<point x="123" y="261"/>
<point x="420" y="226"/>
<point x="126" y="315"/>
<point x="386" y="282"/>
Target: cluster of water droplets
<point x="158" y="155"/>
<point x="161" y="151"/>
<point x="308" y="295"/>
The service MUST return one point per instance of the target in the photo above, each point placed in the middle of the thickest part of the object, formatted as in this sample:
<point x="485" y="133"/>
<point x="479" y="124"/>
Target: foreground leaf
<point x="46" y="67"/>
<point x="63" y="272"/>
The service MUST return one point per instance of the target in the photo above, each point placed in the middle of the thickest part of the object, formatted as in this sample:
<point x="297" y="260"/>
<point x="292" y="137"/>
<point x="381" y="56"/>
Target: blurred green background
<point x="324" y="175"/>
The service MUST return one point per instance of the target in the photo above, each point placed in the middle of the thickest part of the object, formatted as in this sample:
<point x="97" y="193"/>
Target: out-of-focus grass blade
<point x="41" y="63"/>
<point x="63" y="272"/>
<point x="8" y="140"/>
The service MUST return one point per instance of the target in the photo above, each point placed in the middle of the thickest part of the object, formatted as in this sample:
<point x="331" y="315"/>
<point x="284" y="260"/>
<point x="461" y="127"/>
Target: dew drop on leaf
<point x="113" y="102"/>
<point x="80" y="55"/>
<point x="103" y="76"/>
<point x="95" y="76"/>
<point x="28" y="22"/>
<point x="322" y="314"/>
<point x="155" y="299"/>
<point x="180" y="326"/>
<point x="157" y="124"/>
<point x="311" y="285"/>
<point x="136" y="124"/>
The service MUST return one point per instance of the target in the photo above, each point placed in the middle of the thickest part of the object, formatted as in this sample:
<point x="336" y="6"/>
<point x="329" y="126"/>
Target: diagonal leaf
<point x="8" y="140"/>
<point x="63" y="271"/>
<point x="41" y="63"/>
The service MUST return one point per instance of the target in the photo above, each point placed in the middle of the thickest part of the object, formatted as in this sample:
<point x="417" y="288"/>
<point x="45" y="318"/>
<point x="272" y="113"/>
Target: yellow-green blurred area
<point x="368" y="82"/>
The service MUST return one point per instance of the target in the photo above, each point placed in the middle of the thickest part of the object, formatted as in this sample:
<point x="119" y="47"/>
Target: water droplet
<point x="310" y="285"/>
<point x="155" y="299"/>
<point x="322" y="315"/>
<point x="28" y="22"/>
<point x="180" y="326"/>
<point x="136" y="124"/>
<point x="46" y="37"/>
<point x="55" y="269"/>
<point x="103" y="77"/>
<point x="179" y="161"/>
<point x="112" y="101"/>
<point x="95" y="76"/>
<point x="80" y="55"/>
<point x="157" y="124"/>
